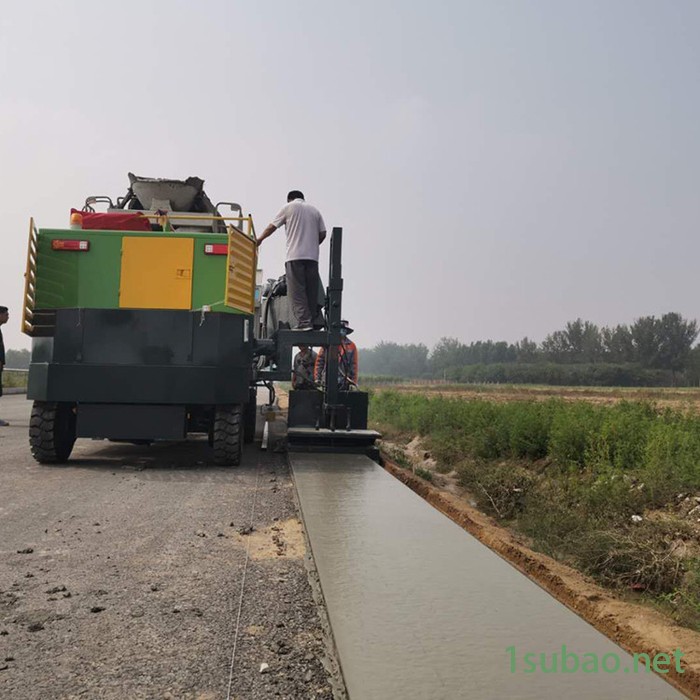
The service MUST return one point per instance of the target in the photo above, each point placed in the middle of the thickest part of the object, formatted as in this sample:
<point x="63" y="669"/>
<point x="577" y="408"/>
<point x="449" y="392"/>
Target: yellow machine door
<point x="156" y="273"/>
<point x="240" y="275"/>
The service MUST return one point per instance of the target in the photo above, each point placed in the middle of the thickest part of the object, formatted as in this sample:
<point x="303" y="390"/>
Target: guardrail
<point x="30" y="281"/>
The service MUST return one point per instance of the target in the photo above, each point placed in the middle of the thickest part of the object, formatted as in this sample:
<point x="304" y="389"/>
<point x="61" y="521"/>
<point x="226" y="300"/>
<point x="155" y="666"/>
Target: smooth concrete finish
<point x="421" y="609"/>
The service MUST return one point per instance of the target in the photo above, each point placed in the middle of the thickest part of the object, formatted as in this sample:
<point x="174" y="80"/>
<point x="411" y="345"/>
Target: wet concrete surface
<point x="421" y="609"/>
<point x="121" y="573"/>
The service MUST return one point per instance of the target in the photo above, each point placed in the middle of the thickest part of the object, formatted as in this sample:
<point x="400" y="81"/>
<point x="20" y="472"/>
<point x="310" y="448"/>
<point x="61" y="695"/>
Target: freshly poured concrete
<point x="421" y="609"/>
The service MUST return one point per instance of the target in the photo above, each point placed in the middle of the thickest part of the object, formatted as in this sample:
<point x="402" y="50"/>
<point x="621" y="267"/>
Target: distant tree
<point x="447" y="353"/>
<point x="646" y="341"/>
<point x="650" y="350"/>
<point x="526" y="350"/>
<point x="676" y="338"/>
<point x="618" y="345"/>
<point x="392" y="359"/>
<point x="693" y="367"/>
<point x="556" y="346"/>
<point x="583" y="340"/>
<point x="17" y="359"/>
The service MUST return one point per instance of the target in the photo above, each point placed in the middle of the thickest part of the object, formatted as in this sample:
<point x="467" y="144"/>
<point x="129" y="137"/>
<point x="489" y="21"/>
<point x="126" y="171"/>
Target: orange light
<point x="68" y="244"/>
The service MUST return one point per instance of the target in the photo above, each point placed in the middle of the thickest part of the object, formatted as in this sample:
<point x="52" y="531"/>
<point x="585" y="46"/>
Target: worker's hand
<point x="258" y="241"/>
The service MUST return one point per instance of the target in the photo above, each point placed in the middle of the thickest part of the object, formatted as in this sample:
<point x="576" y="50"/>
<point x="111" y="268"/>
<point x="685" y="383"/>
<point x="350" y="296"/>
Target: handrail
<point x="205" y="217"/>
<point x="29" y="299"/>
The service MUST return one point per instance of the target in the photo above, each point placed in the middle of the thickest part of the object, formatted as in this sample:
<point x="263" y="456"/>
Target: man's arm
<point x="266" y="234"/>
<point x="321" y="229"/>
<point x="355" y="371"/>
<point x="280" y="219"/>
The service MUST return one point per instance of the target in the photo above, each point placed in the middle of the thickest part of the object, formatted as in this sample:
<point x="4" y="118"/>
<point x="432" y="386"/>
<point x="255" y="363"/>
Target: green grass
<point x="424" y="473"/>
<point x="12" y="379"/>
<point x="571" y="475"/>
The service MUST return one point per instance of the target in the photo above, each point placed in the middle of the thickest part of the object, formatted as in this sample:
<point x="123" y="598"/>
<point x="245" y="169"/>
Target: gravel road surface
<point x="121" y="575"/>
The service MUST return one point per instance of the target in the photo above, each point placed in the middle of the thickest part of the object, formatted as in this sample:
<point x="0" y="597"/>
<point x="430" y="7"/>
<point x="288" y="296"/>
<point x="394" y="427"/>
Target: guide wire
<point x="242" y="590"/>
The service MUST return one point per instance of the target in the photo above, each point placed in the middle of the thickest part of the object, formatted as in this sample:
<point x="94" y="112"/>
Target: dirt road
<point x="121" y="575"/>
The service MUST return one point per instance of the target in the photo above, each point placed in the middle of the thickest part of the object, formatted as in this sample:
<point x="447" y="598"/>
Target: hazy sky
<point x="498" y="167"/>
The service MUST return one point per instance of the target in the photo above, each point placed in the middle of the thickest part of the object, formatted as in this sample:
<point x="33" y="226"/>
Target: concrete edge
<point x="332" y="658"/>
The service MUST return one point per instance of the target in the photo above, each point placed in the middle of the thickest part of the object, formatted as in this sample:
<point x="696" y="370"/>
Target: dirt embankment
<point x="636" y="628"/>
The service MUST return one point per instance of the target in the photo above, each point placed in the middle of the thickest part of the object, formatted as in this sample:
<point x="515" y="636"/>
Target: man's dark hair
<point x="295" y="194"/>
<point x="3" y="309"/>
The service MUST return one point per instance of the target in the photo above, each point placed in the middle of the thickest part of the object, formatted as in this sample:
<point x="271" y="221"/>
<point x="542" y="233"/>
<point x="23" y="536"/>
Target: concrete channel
<point x="421" y="609"/>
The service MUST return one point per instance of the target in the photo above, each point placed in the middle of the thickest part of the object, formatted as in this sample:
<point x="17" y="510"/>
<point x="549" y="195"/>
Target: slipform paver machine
<point x="145" y="323"/>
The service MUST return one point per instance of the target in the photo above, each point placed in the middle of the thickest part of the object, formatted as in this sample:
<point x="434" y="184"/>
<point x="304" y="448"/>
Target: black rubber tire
<point x="52" y="432"/>
<point x="228" y="435"/>
<point x="250" y="417"/>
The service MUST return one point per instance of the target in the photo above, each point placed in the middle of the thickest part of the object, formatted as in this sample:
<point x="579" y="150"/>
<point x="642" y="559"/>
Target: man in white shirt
<point x="305" y="231"/>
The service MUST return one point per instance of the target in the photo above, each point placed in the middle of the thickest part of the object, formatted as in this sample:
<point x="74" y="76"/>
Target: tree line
<point x="17" y="359"/>
<point x="652" y="351"/>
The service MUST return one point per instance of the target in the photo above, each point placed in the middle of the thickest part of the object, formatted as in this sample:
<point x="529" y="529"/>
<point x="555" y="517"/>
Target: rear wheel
<point x="250" y="415"/>
<point x="228" y="435"/>
<point x="52" y="432"/>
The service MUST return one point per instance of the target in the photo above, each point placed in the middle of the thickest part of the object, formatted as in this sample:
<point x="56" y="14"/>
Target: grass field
<point x="679" y="397"/>
<point x="12" y="379"/>
<point x="609" y="486"/>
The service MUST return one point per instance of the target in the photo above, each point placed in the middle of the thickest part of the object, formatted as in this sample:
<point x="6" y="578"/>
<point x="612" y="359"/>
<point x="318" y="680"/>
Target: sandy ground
<point x="121" y="575"/>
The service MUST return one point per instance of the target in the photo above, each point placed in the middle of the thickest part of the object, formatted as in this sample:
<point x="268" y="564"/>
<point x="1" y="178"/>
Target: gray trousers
<point x="302" y="289"/>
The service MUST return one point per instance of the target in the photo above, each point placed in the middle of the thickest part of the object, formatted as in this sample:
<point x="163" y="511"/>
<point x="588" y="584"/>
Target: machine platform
<point x="325" y="440"/>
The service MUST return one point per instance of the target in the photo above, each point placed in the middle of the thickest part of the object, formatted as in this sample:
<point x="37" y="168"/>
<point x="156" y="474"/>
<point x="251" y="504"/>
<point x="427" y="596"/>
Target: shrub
<point x="573" y="428"/>
<point x="671" y="457"/>
<point x="499" y="489"/>
<point x="424" y="473"/>
<point x="622" y="436"/>
<point x="529" y="429"/>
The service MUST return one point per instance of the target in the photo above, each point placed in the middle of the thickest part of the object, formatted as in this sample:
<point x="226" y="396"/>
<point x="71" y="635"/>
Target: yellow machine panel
<point x="156" y="273"/>
<point x="242" y="264"/>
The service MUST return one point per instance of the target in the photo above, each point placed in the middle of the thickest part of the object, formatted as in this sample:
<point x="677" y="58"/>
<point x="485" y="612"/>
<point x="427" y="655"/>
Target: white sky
<point x="499" y="167"/>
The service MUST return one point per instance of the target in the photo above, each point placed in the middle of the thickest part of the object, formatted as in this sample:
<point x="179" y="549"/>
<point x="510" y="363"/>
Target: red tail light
<point x="215" y="249"/>
<point x="69" y="244"/>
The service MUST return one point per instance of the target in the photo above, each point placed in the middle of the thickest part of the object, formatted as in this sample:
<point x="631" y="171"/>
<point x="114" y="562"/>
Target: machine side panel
<point x="156" y="273"/>
<point x="132" y="422"/>
<point x="143" y="356"/>
<point x="205" y="386"/>
<point x="57" y="275"/>
<point x="98" y="271"/>
<point x="91" y="279"/>
<point x="209" y="283"/>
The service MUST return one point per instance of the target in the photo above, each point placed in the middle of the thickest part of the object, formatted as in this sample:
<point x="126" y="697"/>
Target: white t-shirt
<point x="303" y="224"/>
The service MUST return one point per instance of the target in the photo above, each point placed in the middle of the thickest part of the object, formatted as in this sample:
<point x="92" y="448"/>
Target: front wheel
<point x="52" y="432"/>
<point x="228" y="435"/>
